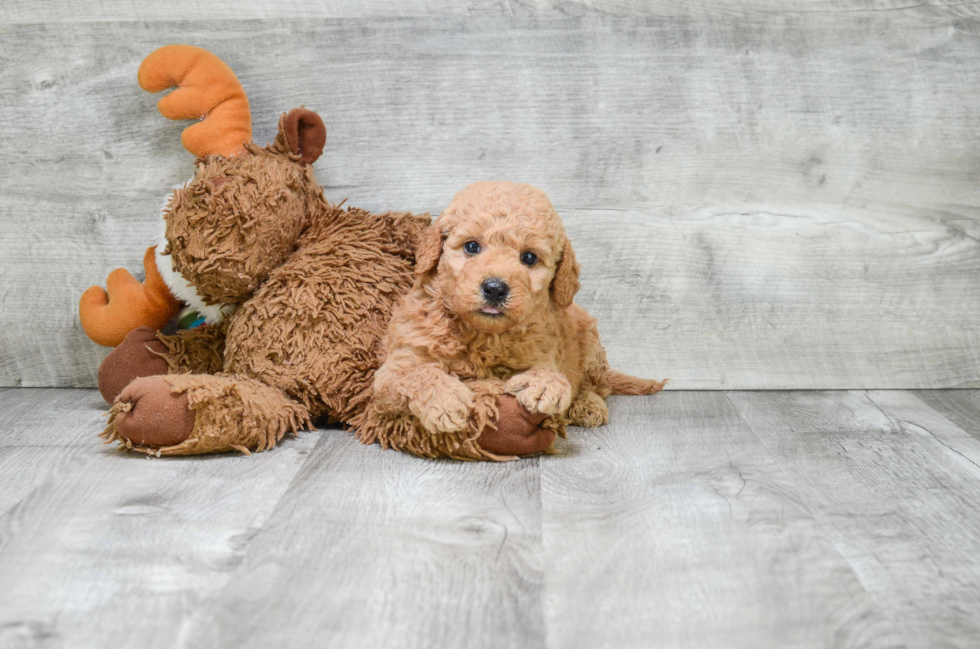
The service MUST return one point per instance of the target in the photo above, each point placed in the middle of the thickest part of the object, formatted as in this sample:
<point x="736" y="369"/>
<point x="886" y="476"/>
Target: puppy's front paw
<point x="448" y="411"/>
<point x="541" y="391"/>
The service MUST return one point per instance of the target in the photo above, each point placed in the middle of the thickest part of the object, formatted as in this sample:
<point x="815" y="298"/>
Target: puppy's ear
<point x="565" y="284"/>
<point x="428" y="251"/>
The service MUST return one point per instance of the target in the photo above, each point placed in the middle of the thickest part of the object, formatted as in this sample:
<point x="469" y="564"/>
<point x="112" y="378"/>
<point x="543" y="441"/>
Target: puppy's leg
<point x="541" y="390"/>
<point x="441" y="402"/>
<point x="407" y="383"/>
<point x="588" y="410"/>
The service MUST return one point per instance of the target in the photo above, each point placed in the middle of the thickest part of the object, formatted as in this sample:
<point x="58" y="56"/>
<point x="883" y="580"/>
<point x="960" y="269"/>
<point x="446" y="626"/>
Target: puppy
<point x="492" y="300"/>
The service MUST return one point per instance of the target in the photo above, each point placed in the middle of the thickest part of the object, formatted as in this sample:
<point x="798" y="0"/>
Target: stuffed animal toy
<point x="295" y="292"/>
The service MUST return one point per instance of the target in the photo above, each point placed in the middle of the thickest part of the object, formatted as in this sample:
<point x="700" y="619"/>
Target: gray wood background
<point x="763" y="194"/>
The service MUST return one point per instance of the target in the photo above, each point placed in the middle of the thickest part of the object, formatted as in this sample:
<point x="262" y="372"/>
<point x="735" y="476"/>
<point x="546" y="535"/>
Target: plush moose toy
<point x="295" y="292"/>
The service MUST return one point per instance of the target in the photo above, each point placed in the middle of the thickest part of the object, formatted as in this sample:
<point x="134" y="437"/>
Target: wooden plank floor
<point x="695" y="519"/>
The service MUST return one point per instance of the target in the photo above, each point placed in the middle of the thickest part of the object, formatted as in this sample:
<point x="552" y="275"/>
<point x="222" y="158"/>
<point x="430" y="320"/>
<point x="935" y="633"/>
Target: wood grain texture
<point x="695" y="519"/>
<point x="63" y="11"/>
<point x="53" y="418"/>
<point x="372" y="548"/>
<point x="962" y="407"/>
<point x="104" y="549"/>
<point x="683" y="532"/>
<point x="768" y="196"/>
<point x="911" y="414"/>
<point x="890" y="490"/>
<point x="41" y="434"/>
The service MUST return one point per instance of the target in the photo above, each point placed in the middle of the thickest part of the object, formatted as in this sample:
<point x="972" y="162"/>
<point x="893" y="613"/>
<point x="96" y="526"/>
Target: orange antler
<point x="206" y="89"/>
<point x="108" y="317"/>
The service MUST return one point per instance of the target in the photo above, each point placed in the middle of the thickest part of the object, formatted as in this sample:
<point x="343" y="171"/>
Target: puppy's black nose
<point x="495" y="291"/>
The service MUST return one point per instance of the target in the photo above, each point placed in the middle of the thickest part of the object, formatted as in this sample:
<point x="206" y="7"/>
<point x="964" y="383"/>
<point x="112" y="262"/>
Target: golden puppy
<point x="495" y="279"/>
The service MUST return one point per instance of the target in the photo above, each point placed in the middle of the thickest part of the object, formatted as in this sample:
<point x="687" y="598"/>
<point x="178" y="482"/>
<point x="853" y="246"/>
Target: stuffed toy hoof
<point x="140" y="354"/>
<point x="189" y="414"/>
<point x="150" y="413"/>
<point x="518" y="432"/>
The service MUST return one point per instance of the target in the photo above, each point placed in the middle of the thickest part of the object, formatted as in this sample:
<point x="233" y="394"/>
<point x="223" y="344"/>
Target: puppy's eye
<point x="529" y="258"/>
<point x="471" y="247"/>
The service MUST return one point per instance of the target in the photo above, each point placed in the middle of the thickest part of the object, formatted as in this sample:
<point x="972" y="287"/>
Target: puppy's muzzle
<point x="495" y="291"/>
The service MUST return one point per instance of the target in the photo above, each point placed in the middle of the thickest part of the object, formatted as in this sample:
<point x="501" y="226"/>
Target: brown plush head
<point x="240" y="216"/>
<point x="498" y="255"/>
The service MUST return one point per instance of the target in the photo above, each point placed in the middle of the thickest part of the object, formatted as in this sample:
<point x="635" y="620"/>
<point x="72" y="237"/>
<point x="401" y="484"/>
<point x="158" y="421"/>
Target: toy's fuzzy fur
<point x="314" y="285"/>
<point x="232" y="413"/>
<point x="445" y="355"/>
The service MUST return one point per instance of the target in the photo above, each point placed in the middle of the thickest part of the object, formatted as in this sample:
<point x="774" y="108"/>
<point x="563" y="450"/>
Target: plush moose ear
<point x="429" y="249"/>
<point x="565" y="284"/>
<point x="305" y="134"/>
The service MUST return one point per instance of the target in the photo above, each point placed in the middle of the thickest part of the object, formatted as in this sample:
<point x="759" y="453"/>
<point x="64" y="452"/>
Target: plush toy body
<point x="296" y="292"/>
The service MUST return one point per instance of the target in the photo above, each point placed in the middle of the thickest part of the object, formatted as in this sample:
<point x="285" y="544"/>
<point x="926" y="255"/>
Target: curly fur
<point x="443" y="349"/>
